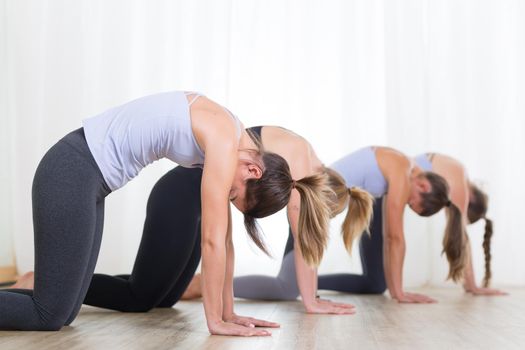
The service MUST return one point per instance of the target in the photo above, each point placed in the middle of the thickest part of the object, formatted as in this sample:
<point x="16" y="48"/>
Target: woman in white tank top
<point x="77" y="173"/>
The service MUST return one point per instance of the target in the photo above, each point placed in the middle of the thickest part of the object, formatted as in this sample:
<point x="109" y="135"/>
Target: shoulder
<point x="393" y="162"/>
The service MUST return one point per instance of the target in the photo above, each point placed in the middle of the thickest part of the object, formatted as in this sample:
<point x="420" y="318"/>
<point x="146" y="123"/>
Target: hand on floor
<point x="251" y="322"/>
<point x="486" y="291"/>
<point x="323" y="306"/>
<point x="414" y="298"/>
<point x="228" y="328"/>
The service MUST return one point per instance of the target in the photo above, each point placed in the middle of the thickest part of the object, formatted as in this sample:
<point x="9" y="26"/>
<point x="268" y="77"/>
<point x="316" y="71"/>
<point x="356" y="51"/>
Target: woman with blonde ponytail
<point x="307" y="237"/>
<point x="468" y="204"/>
<point x="298" y="274"/>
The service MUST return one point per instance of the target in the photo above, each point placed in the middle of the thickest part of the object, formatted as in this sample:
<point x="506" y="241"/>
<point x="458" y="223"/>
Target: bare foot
<point x="194" y="288"/>
<point x="26" y="281"/>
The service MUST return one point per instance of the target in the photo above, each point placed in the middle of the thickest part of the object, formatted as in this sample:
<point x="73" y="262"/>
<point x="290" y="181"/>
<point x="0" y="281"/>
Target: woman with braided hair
<point x="472" y="203"/>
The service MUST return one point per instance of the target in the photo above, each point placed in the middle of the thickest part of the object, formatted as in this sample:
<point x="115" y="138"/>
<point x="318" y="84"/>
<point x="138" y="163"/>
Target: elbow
<point x="212" y="247"/>
<point x="394" y="240"/>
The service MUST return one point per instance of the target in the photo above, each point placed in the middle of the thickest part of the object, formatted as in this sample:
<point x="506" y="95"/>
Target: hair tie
<point x="294" y="183"/>
<point x="448" y="203"/>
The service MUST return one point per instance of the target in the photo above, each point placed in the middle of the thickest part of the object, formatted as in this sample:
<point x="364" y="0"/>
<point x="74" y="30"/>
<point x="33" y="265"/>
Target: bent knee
<point x="378" y="288"/>
<point x="138" y="306"/>
<point x="288" y="293"/>
<point x="53" y="324"/>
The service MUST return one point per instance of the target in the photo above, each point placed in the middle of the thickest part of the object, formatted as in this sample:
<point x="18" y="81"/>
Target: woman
<point x="393" y="179"/>
<point x="141" y="291"/>
<point x="295" y="276"/>
<point x="78" y="172"/>
<point x="472" y="204"/>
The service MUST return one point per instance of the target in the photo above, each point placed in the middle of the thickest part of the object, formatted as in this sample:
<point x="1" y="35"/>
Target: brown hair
<point x="271" y="193"/>
<point x="360" y="208"/>
<point x="454" y="240"/>
<point x="477" y="209"/>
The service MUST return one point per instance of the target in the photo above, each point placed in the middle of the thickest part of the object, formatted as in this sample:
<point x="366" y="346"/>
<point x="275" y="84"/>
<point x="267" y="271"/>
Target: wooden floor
<point x="458" y="321"/>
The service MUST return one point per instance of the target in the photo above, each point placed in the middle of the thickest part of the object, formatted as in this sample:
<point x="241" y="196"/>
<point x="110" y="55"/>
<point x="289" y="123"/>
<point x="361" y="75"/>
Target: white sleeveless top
<point x="126" y="138"/>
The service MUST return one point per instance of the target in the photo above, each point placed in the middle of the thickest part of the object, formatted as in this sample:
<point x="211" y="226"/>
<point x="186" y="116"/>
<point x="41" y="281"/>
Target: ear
<point x="254" y="171"/>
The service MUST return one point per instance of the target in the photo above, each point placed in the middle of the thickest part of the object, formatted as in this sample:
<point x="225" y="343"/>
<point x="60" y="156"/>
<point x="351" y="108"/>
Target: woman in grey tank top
<point x="68" y="205"/>
<point x="472" y="203"/>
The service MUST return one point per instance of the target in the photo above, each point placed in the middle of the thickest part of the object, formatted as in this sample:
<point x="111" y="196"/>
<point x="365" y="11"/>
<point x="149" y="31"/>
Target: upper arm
<point x="459" y="191"/>
<point x="220" y="164"/>
<point x="300" y="166"/>
<point x="396" y="200"/>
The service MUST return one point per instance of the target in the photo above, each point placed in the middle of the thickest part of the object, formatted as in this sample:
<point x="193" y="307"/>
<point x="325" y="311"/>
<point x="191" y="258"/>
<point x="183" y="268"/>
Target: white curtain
<point x="6" y="246"/>
<point x="416" y="75"/>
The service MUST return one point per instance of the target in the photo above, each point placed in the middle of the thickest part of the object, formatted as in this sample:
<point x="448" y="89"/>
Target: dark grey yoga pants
<point x="68" y="214"/>
<point x="372" y="280"/>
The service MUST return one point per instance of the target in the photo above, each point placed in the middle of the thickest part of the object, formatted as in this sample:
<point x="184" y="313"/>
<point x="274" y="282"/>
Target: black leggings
<point x="372" y="281"/>
<point x="169" y="251"/>
<point x="68" y="215"/>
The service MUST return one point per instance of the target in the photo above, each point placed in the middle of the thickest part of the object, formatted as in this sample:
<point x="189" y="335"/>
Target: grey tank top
<point x="126" y="138"/>
<point x="423" y="161"/>
<point x="360" y="169"/>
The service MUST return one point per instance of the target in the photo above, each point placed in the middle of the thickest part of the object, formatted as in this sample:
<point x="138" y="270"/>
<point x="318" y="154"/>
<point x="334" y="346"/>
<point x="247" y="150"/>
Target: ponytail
<point x="455" y="239"/>
<point x="314" y="216"/>
<point x="455" y="243"/>
<point x="272" y="192"/>
<point x="486" y="249"/>
<point x="477" y="209"/>
<point x="359" y="203"/>
<point x="358" y="216"/>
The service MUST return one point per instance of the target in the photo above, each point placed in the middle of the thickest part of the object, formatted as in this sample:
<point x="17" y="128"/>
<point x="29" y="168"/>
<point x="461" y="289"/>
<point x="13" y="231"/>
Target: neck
<point x="415" y="171"/>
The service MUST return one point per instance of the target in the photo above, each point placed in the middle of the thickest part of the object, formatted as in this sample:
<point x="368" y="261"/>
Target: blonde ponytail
<point x="358" y="216"/>
<point x="359" y="203"/>
<point x="314" y="216"/>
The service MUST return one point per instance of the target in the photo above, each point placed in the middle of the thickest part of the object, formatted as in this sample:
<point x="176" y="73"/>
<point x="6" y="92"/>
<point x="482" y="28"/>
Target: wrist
<point x="396" y="294"/>
<point x="227" y="316"/>
<point x="469" y="287"/>
<point x="212" y="324"/>
<point x="311" y="301"/>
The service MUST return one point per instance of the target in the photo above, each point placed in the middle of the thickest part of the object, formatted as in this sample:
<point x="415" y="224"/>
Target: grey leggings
<point x="68" y="214"/>
<point x="284" y="286"/>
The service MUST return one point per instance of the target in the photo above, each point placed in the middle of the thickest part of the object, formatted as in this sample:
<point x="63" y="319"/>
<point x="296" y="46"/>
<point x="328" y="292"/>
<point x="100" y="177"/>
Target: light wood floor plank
<point x="458" y="321"/>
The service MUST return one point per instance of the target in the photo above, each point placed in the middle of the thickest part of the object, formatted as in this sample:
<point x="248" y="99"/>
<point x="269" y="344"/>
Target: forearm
<point x="469" y="280"/>
<point x="227" y="293"/>
<point x="213" y="275"/>
<point x="393" y="265"/>
<point x="306" y="275"/>
<point x="306" y="278"/>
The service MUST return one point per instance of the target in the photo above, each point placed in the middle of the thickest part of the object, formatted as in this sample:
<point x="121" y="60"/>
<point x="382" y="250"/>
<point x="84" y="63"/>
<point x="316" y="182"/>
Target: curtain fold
<point x="6" y="238"/>
<point x="444" y="76"/>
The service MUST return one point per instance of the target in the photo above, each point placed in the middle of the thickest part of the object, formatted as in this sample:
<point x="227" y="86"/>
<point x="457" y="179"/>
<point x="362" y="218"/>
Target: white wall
<point x="416" y="75"/>
<point x="6" y="246"/>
